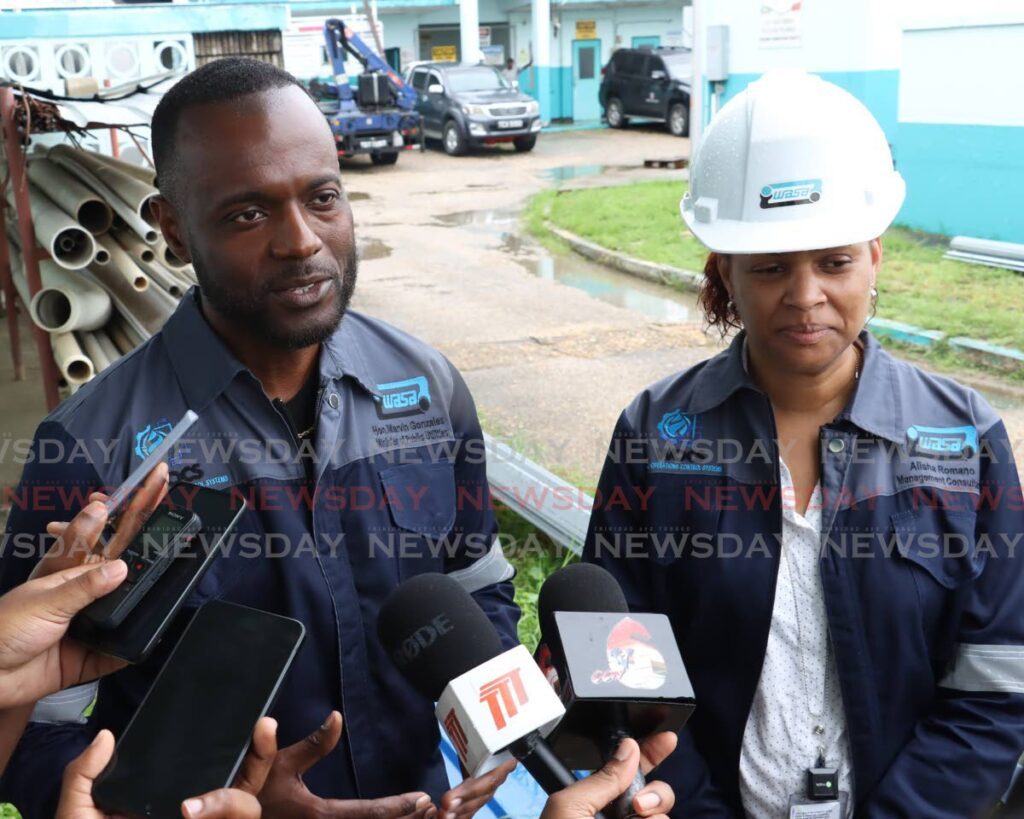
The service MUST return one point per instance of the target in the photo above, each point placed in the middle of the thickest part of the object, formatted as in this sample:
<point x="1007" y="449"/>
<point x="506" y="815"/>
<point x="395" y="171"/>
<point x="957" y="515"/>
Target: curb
<point x="1005" y="359"/>
<point x="652" y="272"/>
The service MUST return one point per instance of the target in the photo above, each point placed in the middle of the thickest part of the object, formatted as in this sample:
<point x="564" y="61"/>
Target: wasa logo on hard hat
<point x="799" y="192"/>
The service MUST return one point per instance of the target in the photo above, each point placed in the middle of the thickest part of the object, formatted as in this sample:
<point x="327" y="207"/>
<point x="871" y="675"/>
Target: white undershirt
<point x="797" y="690"/>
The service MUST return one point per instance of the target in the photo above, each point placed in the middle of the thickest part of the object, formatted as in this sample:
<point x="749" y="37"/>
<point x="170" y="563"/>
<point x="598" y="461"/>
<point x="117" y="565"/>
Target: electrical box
<point x="717" y="54"/>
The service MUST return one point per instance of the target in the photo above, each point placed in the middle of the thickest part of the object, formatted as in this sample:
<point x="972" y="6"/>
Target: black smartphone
<point x="193" y="729"/>
<point x="137" y="636"/>
<point x="150" y="553"/>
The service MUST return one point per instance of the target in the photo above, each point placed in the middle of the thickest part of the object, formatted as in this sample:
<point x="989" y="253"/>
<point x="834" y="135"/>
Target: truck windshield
<point x="483" y="78"/>
<point x="679" y="66"/>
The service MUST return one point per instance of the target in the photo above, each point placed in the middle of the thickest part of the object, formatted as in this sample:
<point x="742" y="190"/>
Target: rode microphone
<point x="618" y="674"/>
<point x="489" y="701"/>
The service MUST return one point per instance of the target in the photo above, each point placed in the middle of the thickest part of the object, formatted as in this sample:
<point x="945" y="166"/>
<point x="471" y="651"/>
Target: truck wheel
<point x="384" y="159"/>
<point x="454" y="141"/>
<point x="614" y="114"/>
<point x="524" y="144"/>
<point x="678" y="120"/>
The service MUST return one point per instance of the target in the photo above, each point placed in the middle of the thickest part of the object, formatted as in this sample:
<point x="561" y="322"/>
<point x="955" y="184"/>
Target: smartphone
<point x="136" y="637"/>
<point x="122" y="492"/>
<point x="191" y="732"/>
<point x="150" y="553"/>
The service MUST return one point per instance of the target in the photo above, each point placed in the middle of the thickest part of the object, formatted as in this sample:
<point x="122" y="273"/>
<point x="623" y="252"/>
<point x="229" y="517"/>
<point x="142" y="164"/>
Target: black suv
<point x="467" y="105"/>
<point x="653" y="83"/>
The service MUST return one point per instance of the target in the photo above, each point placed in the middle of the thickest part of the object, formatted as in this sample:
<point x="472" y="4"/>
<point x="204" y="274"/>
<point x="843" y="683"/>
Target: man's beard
<point x="248" y="310"/>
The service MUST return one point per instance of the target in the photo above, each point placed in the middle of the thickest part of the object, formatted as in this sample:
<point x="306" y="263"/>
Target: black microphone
<point x="618" y="674"/>
<point x="488" y="701"/>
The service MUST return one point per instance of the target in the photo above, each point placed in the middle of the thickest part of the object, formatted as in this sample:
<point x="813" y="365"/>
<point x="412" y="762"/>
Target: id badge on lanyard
<point x="822" y="799"/>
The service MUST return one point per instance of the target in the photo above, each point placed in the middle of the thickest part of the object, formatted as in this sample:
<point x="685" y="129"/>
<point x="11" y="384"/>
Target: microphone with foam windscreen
<point x="491" y="702"/>
<point x="618" y="674"/>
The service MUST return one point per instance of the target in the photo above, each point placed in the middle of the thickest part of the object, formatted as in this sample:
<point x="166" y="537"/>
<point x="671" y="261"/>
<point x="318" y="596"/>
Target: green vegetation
<point x="535" y="556"/>
<point x="917" y="285"/>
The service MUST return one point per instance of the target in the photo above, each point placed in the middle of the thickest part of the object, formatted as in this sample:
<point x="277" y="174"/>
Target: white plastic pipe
<point x="133" y="191"/>
<point x="81" y="203"/>
<point x="68" y="301"/>
<point x="73" y="364"/>
<point x="68" y="243"/>
<point x="120" y="207"/>
<point x="109" y="348"/>
<point x="91" y="347"/>
<point x="122" y="264"/>
<point x="141" y="251"/>
<point x="140" y="172"/>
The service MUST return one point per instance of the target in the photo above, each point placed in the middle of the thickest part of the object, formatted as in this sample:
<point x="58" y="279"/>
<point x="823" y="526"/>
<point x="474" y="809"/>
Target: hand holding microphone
<point x="618" y="674"/>
<point x="585" y="798"/>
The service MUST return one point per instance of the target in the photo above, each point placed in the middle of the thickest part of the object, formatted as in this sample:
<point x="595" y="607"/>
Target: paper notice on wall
<point x="780" y="25"/>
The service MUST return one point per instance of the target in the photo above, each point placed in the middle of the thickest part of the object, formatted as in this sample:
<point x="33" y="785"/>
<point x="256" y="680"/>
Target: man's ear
<point x="170" y="227"/>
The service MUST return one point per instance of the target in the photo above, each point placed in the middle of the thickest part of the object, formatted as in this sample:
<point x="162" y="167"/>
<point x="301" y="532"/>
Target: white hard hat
<point x="791" y="163"/>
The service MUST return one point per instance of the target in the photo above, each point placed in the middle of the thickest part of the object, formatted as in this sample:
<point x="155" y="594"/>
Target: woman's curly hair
<point x="719" y="312"/>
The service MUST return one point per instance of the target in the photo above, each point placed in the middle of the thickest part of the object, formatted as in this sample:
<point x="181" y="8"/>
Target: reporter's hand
<point x="285" y="795"/>
<point x="466" y="798"/>
<point x="77" y="540"/>
<point x="36" y="658"/>
<point x="585" y="798"/>
<point x="237" y="802"/>
<point x="240" y="800"/>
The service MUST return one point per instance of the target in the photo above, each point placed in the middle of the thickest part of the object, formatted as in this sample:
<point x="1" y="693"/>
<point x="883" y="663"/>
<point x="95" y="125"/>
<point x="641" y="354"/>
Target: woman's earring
<point x="732" y="306"/>
<point x="874" y="302"/>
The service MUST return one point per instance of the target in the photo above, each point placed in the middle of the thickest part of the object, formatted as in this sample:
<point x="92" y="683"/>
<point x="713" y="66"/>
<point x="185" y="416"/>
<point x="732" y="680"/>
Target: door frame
<point x="596" y="41"/>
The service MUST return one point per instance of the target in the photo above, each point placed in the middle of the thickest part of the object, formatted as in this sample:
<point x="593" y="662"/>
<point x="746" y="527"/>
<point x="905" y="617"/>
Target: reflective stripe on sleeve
<point x="67" y="706"/>
<point x="489" y="569"/>
<point x="987" y="668"/>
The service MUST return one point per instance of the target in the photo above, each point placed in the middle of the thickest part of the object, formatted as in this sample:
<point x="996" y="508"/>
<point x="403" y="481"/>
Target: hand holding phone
<point x="80" y="540"/>
<point x="237" y="802"/>
<point x="148" y="556"/>
<point x="192" y="730"/>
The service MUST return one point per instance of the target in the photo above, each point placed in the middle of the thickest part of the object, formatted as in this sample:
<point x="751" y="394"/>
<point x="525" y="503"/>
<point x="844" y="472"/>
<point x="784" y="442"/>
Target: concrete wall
<point x="853" y="44"/>
<point x="960" y="144"/>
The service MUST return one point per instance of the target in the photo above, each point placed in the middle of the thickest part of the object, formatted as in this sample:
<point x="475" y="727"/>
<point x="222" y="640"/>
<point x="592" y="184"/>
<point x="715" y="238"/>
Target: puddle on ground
<point x="566" y="173"/>
<point x="655" y="301"/>
<point x="357" y="196"/>
<point x="480" y="218"/>
<point x="370" y="249"/>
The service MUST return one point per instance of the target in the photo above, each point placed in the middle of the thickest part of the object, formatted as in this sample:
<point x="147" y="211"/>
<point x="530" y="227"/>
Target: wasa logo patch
<point x="943" y="442"/>
<point x="783" y="194"/>
<point x="408" y="397"/>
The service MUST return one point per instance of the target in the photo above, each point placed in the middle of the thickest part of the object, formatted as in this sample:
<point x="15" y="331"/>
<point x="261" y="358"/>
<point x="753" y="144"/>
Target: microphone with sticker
<point x="492" y="703"/>
<point x="618" y="674"/>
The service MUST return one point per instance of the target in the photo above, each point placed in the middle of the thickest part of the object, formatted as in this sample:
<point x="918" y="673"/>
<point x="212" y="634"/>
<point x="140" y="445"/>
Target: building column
<point x="540" y="11"/>
<point x="469" y="31"/>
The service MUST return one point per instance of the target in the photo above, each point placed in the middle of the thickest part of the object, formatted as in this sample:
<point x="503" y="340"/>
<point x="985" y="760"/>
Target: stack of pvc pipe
<point x="987" y="252"/>
<point x="110" y="282"/>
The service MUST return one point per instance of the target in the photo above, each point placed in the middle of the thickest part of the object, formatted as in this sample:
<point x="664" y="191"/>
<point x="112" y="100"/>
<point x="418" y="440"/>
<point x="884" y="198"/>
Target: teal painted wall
<point x="107" y="21"/>
<point x="963" y="179"/>
<point x="558" y="104"/>
<point x="878" y="90"/>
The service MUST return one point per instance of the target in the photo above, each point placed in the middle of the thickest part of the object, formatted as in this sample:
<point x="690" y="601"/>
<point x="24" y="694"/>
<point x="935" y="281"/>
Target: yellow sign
<point x="443" y="54"/>
<point x="586" y="29"/>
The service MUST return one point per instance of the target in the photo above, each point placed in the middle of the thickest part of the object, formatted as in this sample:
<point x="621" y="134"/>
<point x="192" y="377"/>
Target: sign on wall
<point x="586" y="29"/>
<point x="443" y="54"/>
<point x="780" y="24"/>
<point x="485" y="36"/>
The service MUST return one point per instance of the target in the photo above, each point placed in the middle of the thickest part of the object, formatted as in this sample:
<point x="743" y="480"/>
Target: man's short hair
<point x="219" y="81"/>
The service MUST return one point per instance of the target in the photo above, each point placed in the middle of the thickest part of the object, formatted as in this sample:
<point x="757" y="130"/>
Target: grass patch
<point x="916" y="286"/>
<point x="535" y="556"/>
